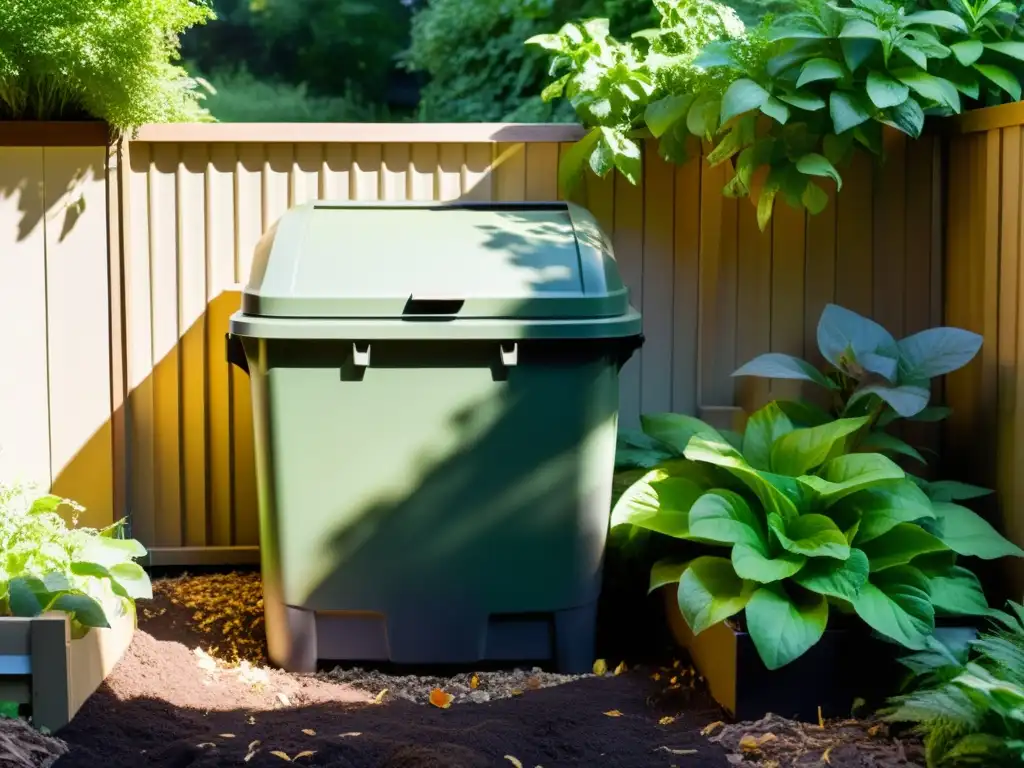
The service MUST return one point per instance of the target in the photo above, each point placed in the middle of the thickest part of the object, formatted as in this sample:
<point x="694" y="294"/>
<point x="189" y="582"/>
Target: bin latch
<point x="236" y="352"/>
<point x="361" y="355"/>
<point x="509" y="354"/>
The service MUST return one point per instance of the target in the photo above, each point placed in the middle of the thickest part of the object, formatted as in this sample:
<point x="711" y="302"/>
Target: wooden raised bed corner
<point x="41" y="666"/>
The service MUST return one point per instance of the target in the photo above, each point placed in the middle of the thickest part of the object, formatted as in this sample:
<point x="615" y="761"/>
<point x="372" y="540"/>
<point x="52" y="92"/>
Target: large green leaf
<point x="968" y="51"/>
<point x="843" y="579"/>
<point x="775" y="365"/>
<point x="882" y="509"/>
<point x="967" y="533"/>
<point x="813" y="164"/>
<point x="861" y="29"/>
<point x="1012" y="48"/>
<point x="711" y="592"/>
<point x="847" y="110"/>
<point x="803" y="450"/>
<point x="133" y="580"/>
<point x="957" y="592"/>
<point x="820" y="69"/>
<point x="744" y="95"/>
<point x="901" y="544"/>
<point x="885" y="92"/>
<point x="83" y="608"/>
<point x="811" y="536"/>
<point x="725" y="517"/>
<point x="936" y="89"/>
<point x="805" y="100"/>
<point x="944" y="19"/>
<point x="676" y="429"/>
<point x="1002" y="78"/>
<point x="776" y="110"/>
<point x="907" y="117"/>
<point x="666" y="572"/>
<point x="108" y="552"/>
<point x="804" y="413"/>
<point x="574" y="161"/>
<point x="848" y="474"/>
<point x="856" y="51"/>
<point x="660" y="501"/>
<point x="883" y="442"/>
<point x="664" y="113"/>
<point x="896" y="604"/>
<point x="907" y="400"/>
<point x="937" y="351"/>
<point x="951" y="490"/>
<point x="704" y="116"/>
<point x="783" y="629"/>
<point x="22" y="599"/>
<point x="842" y="332"/>
<point x="754" y="563"/>
<point x="777" y="493"/>
<point x="626" y="153"/>
<point x="764" y="427"/>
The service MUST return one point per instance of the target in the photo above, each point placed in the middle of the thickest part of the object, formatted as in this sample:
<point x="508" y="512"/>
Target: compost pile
<point x="775" y="742"/>
<point x="21" y="746"/>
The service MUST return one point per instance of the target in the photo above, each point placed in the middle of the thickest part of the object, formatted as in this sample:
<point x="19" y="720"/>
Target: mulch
<point x="169" y="705"/>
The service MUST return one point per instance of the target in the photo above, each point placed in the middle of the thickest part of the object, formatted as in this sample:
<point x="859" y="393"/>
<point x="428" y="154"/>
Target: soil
<point x="192" y="691"/>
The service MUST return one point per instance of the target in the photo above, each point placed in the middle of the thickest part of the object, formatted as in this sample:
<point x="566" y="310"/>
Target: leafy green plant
<point x="970" y="711"/>
<point x="785" y="103"/>
<point x="62" y="60"/>
<point x="47" y="565"/>
<point x="816" y="519"/>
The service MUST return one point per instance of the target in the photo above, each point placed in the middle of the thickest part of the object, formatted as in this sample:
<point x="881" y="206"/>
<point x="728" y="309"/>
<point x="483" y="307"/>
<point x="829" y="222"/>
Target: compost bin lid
<point x="409" y="261"/>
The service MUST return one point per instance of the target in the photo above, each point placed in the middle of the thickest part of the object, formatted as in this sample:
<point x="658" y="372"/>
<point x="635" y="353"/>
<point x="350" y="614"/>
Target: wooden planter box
<point x="40" y="665"/>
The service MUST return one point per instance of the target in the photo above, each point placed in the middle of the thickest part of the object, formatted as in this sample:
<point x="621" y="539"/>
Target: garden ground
<point x="167" y="704"/>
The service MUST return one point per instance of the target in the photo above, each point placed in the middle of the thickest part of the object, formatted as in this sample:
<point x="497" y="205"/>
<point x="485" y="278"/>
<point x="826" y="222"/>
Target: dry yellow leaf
<point x="226" y="735"/>
<point x="380" y="696"/>
<point x="874" y="730"/>
<point x="825" y="756"/>
<point x="655" y="677"/>
<point x="613" y="713"/>
<point x="621" y="668"/>
<point x="767" y="738"/>
<point x="516" y="692"/>
<point x="821" y="720"/>
<point x="282" y="755"/>
<point x="749" y="743"/>
<point x="675" y="664"/>
<point x="350" y="734"/>
<point x="440" y="699"/>
<point x="710" y="728"/>
<point x="306" y="753"/>
<point x="673" y="681"/>
<point x="514" y="761"/>
<point x="600" y="667"/>
<point x="667" y="720"/>
<point x="309" y="731"/>
<point x="474" y="682"/>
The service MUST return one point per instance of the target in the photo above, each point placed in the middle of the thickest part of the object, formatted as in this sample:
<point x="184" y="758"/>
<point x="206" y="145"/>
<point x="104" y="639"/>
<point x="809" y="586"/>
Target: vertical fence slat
<point x="820" y="270"/>
<point x="685" y="281"/>
<point x="628" y="239"/>
<point x="889" y="243"/>
<point x="509" y="172"/>
<point x="336" y="173"/>
<point x="395" y="170"/>
<point x="191" y="190"/>
<point x="366" y="166"/>
<point x="449" y="171"/>
<point x="309" y="159"/>
<point x="854" y="236"/>
<point x="1008" y="370"/>
<point x="542" y="172"/>
<point x="788" y="266"/>
<point x="659" y="208"/>
<point x="754" y="303"/>
<point x="917" y="235"/>
<point x="24" y="379"/>
<point x="477" y="178"/>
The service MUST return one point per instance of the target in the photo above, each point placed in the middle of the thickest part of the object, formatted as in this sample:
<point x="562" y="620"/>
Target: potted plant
<point x="67" y="604"/>
<point x="803" y="528"/>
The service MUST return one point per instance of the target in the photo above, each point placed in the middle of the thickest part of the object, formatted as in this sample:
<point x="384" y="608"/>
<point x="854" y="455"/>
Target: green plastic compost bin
<point x="435" y="395"/>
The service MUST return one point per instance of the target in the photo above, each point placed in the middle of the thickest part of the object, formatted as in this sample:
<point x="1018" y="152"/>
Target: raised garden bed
<point x="43" y="668"/>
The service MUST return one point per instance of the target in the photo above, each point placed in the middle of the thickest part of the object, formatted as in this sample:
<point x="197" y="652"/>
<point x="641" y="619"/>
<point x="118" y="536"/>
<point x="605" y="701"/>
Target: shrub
<point x="970" y="712"/>
<point x="814" y="517"/>
<point x="787" y="101"/>
<point x="45" y="565"/>
<point x="112" y="61"/>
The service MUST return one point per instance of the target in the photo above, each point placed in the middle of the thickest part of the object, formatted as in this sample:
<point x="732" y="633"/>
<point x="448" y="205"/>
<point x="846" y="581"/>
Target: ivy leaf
<point x="1002" y="78"/>
<point x="783" y="629"/>
<point x="744" y="95"/>
<point x="968" y="51"/>
<point x="885" y="92"/>
<point x="847" y="111"/>
<point x="711" y="592"/>
<point x="820" y="69"/>
<point x="818" y="165"/>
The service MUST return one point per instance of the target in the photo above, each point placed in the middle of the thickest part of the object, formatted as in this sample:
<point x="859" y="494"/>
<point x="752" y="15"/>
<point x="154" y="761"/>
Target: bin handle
<point x="360" y="355"/>
<point x="509" y="353"/>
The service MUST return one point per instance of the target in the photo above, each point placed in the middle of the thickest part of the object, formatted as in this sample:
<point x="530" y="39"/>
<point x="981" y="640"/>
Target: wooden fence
<point x="189" y="202"/>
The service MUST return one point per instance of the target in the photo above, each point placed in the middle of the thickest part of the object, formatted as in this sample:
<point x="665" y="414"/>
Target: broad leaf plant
<point x="784" y="103"/>
<point x="804" y="514"/>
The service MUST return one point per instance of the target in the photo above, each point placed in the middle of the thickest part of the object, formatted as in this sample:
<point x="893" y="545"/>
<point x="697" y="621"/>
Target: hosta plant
<point x="48" y="565"/>
<point x="785" y="103"/>
<point x="970" y="711"/>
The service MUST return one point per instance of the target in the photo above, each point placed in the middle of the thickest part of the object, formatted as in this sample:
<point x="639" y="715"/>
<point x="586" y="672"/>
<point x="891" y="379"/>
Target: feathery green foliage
<point x="972" y="713"/>
<point x="99" y="59"/>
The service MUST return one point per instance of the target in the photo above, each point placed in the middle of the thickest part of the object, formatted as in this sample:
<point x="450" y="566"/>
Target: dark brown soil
<point x="168" y="706"/>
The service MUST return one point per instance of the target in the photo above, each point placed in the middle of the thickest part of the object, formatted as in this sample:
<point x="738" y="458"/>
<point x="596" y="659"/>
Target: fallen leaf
<point x="474" y="682"/>
<point x="350" y="734"/>
<point x="666" y="720"/>
<point x="613" y="713"/>
<point x="380" y="696"/>
<point x="621" y="668"/>
<point x="307" y="753"/>
<point x="253" y="745"/>
<point x="516" y="692"/>
<point x="874" y="730"/>
<point x="226" y="735"/>
<point x="283" y="699"/>
<point x="600" y="667"/>
<point x="250" y="720"/>
<point x="749" y="744"/>
<point x="514" y="761"/>
<point x="248" y="757"/>
<point x="282" y="755"/>
<point x="678" y="751"/>
<point x="655" y="677"/>
<point x="825" y="756"/>
<point x="309" y="731"/>
<point x="675" y="664"/>
<point x="440" y="699"/>
<point x="673" y="681"/>
<point x="767" y="738"/>
<point x="710" y="728"/>
<point x="533" y="683"/>
<point x="206" y="744"/>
